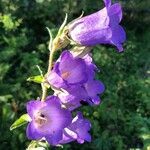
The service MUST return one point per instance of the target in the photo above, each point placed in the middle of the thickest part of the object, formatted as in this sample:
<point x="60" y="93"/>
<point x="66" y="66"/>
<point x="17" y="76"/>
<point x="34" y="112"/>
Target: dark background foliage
<point x="121" y="122"/>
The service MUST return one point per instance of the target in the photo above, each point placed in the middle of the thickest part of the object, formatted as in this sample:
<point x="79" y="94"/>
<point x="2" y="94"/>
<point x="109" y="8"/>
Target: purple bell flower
<point x="72" y="95"/>
<point x="101" y="27"/>
<point x="67" y="71"/>
<point x="77" y="130"/>
<point x="89" y="91"/>
<point x="48" y="120"/>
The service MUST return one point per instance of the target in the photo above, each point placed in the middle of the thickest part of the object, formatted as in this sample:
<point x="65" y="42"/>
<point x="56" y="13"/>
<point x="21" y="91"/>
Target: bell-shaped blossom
<point x="77" y="130"/>
<point x="67" y="71"/>
<point x="48" y="120"/>
<point x="101" y="27"/>
<point x="72" y="96"/>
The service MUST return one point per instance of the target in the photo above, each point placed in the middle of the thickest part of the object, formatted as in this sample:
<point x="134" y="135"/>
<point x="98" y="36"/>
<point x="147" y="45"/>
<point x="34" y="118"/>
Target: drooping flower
<point x="77" y="130"/>
<point x="48" y="120"/>
<point x="67" y="71"/>
<point x="72" y="95"/>
<point x="101" y="27"/>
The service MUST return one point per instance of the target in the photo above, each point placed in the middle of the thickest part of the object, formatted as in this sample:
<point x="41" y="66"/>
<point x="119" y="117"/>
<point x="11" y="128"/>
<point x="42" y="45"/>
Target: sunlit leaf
<point x="36" y="79"/>
<point x="21" y="121"/>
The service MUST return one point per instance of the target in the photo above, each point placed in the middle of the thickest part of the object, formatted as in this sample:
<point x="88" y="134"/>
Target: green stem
<point x="44" y="92"/>
<point x="50" y="65"/>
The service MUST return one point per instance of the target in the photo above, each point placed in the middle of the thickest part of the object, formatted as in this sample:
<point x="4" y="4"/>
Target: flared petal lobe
<point x="118" y="37"/>
<point x="107" y="3"/>
<point x="32" y="132"/>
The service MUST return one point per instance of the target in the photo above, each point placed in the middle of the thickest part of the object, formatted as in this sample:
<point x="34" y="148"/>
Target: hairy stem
<point x="44" y="92"/>
<point x="50" y="65"/>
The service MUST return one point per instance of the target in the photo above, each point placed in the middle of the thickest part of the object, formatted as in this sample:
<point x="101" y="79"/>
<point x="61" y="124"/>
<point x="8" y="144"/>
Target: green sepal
<point x="51" y="39"/>
<point x="62" y="26"/>
<point x="36" y="79"/>
<point x="21" y="121"/>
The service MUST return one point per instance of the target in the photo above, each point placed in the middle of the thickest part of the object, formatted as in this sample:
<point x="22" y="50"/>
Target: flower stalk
<point x="59" y="42"/>
<point x="51" y="48"/>
<point x="50" y="64"/>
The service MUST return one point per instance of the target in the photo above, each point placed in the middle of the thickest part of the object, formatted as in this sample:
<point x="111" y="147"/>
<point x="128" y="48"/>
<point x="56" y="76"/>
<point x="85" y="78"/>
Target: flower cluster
<point x="72" y="78"/>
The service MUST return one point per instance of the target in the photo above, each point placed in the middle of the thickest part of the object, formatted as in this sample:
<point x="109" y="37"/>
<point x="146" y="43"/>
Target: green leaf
<point x="36" y="79"/>
<point x="21" y="121"/>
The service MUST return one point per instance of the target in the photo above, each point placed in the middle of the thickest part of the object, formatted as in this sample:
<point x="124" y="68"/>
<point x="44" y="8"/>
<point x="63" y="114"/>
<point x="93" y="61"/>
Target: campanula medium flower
<point x="77" y="130"/>
<point x="72" y="95"/>
<point x="101" y="27"/>
<point x="68" y="70"/>
<point x="48" y="120"/>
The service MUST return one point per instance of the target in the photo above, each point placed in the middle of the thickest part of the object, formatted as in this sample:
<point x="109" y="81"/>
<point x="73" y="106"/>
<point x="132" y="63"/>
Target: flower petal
<point x="81" y="127"/>
<point x="92" y="29"/>
<point x="94" y="87"/>
<point x="54" y="138"/>
<point x="59" y="117"/>
<point x="55" y="79"/>
<point x="32" y="133"/>
<point x="72" y="69"/>
<point x="118" y="37"/>
<point x="66" y="139"/>
<point x="95" y="100"/>
<point x="32" y="106"/>
<point x="70" y="100"/>
<point x="115" y="14"/>
<point x="107" y="3"/>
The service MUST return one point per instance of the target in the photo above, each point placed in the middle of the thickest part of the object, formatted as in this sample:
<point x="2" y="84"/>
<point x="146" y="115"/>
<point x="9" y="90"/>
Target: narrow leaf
<point x="21" y="121"/>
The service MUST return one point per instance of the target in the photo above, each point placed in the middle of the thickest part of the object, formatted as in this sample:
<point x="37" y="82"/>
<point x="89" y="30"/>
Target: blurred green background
<point x="122" y="121"/>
